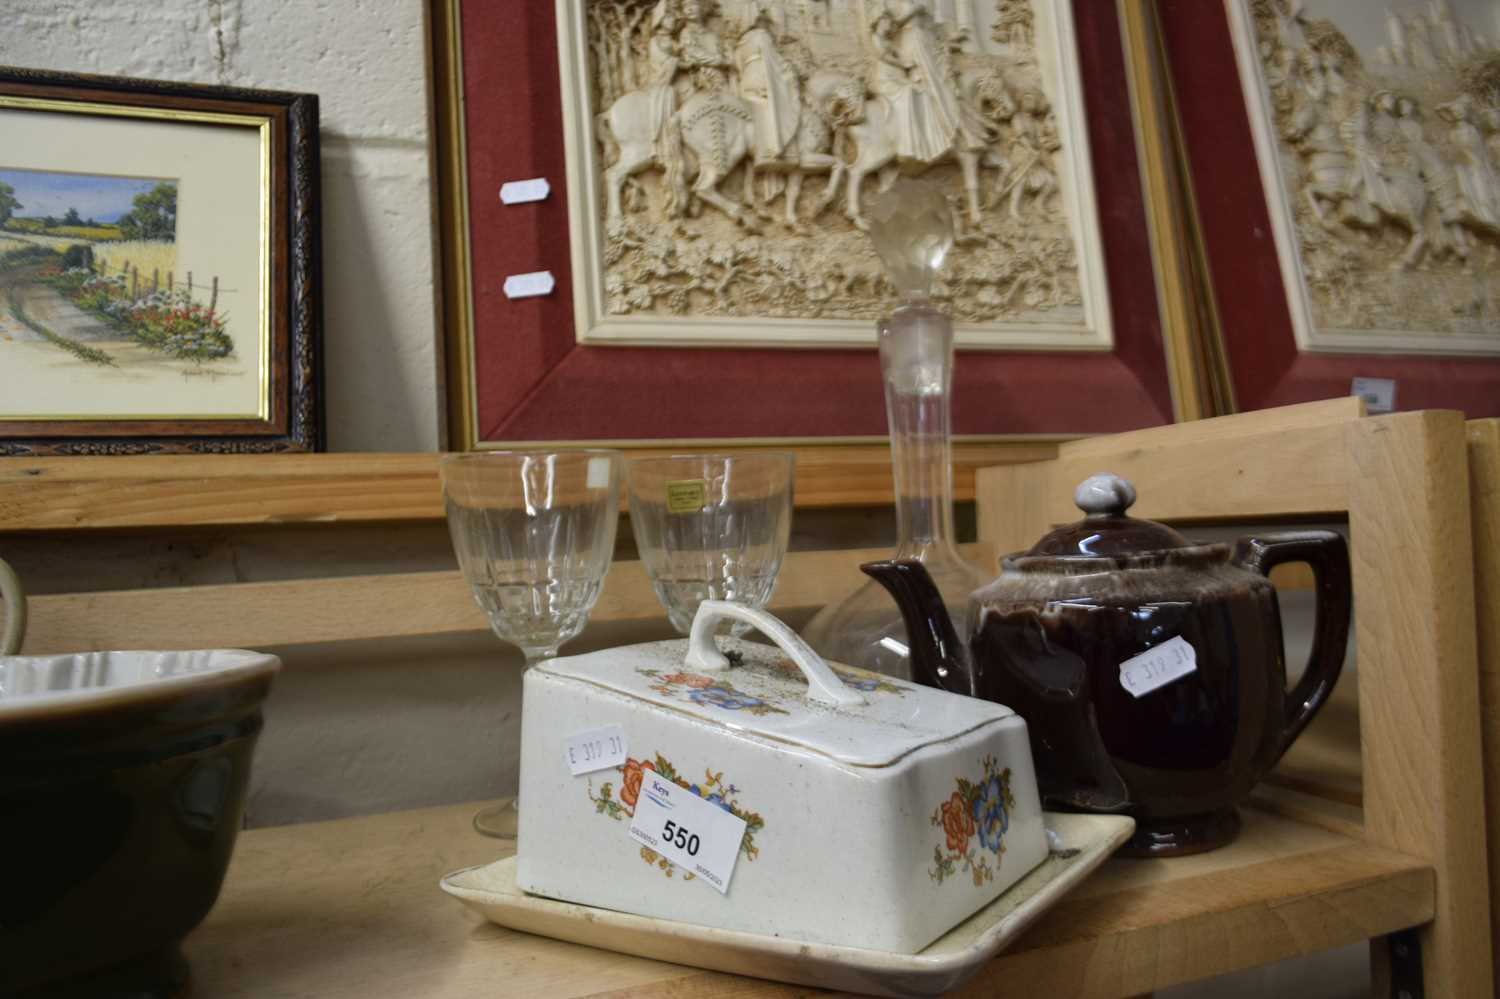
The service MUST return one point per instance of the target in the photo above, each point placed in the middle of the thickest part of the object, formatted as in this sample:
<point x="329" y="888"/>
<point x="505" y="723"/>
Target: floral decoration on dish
<point x="713" y="789"/>
<point x="977" y="810"/>
<point x="859" y="679"/>
<point x="714" y="691"/>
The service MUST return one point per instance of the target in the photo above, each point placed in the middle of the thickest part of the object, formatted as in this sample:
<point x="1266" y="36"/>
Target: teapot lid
<point x="1106" y="530"/>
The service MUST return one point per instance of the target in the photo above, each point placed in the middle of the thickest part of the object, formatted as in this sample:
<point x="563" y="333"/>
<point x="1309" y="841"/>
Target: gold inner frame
<point x="263" y="276"/>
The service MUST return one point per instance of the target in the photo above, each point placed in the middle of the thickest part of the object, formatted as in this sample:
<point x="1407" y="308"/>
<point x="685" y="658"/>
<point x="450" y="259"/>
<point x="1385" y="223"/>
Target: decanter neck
<point x="916" y="357"/>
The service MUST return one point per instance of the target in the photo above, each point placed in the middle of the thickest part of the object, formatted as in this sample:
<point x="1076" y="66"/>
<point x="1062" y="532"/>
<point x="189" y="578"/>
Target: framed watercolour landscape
<point x="159" y="267"/>
<point x="741" y="308"/>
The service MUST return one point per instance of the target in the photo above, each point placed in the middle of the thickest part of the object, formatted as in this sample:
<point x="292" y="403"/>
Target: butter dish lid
<point x="785" y="693"/>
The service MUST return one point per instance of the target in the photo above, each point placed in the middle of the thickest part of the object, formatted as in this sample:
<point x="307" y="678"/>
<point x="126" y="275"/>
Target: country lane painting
<point x="89" y="268"/>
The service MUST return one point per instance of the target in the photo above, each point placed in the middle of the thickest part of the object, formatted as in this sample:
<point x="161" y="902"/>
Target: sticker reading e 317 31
<point x="1156" y="667"/>
<point x="595" y="749"/>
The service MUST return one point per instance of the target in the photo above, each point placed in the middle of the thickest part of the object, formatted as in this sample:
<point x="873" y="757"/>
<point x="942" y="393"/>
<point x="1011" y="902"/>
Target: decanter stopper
<point x="912" y="229"/>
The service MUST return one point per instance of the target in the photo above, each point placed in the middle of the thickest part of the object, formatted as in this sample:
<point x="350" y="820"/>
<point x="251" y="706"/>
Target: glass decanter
<point x="912" y="229"/>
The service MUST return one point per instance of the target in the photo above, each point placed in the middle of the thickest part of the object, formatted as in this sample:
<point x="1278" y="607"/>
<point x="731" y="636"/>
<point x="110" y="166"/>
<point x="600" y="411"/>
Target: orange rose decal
<point x="977" y="809"/>
<point x="957" y="822"/>
<point x="695" y="680"/>
<point x="630" y="784"/>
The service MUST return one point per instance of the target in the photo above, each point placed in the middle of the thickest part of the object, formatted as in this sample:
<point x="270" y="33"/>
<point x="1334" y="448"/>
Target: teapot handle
<point x="15" y="610"/>
<point x="1328" y="554"/>
<point x="822" y="685"/>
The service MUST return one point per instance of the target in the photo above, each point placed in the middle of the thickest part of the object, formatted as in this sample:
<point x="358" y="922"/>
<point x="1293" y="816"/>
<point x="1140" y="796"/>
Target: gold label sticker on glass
<point x="686" y="495"/>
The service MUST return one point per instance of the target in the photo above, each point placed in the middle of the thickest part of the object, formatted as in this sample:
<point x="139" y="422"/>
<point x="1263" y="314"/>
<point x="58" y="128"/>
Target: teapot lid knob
<point x="1107" y="531"/>
<point x="1104" y="494"/>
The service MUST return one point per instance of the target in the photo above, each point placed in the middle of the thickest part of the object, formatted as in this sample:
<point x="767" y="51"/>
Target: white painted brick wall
<point x="366" y="60"/>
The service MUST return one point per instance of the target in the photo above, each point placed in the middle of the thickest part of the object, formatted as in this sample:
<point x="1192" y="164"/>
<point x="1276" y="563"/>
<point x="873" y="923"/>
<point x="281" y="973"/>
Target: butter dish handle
<point x="822" y="685"/>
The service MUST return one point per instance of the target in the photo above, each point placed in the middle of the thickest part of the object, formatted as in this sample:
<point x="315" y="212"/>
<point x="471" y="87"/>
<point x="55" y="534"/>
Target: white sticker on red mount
<point x="530" y="285"/>
<point x="1379" y="394"/>
<point x="1155" y="668"/>
<point x="520" y="192"/>
<point x="691" y="832"/>
<point x="595" y="749"/>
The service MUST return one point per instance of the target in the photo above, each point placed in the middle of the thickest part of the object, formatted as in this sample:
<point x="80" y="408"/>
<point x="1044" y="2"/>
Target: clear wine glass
<point x="711" y="526"/>
<point x="534" y="532"/>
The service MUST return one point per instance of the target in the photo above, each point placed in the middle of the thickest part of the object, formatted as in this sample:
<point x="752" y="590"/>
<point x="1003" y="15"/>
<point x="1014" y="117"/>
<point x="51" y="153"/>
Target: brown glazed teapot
<point x="1149" y="669"/>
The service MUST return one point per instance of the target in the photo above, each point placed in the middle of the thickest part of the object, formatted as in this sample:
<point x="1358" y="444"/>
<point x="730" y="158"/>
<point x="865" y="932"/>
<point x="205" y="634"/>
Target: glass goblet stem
<point x="502" y="819"/>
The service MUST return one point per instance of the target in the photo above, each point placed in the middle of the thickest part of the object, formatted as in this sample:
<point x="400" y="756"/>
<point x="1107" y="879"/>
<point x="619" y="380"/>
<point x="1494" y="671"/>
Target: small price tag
<point x="686" y="495"/>
<point x="690" y="832"/>
<point x="595" y="749"/>
<point x="519" y="192"/>
<point x="1379" y="394"/>
<point x="530" y="285"/>
<point x="598" y="474"/>
<point x="1155" y="668"/>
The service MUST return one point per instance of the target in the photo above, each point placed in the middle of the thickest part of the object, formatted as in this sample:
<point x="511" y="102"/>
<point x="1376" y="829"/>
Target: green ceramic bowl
<point x="122" y="786"/>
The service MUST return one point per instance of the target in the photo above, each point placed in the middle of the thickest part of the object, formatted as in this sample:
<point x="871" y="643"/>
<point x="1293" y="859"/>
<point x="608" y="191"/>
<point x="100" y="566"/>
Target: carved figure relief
<point x="736" y="142"/>
<point x="1389" y="163"/>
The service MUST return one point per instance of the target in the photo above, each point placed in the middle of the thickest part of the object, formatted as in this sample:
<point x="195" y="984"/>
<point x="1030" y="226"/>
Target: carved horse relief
<point x="877" y="141"/>
<point x="731" y="104"/>
<point x="719" y="129"/>
<point x="639" y="142"/>
<point x="831" y="102"/>
<point x="716" y="128"/>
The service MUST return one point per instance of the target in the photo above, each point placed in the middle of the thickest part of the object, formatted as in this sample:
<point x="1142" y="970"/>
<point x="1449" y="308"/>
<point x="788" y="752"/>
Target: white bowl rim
<point x="224" y="666"/>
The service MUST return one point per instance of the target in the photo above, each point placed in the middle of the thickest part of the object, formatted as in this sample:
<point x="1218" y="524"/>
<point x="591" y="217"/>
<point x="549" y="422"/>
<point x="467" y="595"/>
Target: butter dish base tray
<point x="1080" y="843"/>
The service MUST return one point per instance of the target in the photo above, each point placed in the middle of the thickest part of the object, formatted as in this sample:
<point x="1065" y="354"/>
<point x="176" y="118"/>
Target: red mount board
<point x="1266" y="368"/>
<point x="533" y="381"/>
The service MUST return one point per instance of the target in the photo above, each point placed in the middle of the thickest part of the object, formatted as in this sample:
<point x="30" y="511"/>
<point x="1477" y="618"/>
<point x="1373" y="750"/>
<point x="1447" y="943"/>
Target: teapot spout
<point x="938" y="658"/>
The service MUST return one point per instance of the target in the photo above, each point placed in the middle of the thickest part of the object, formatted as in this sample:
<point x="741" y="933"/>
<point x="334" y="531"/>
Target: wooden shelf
<point x="1352" y="839"/>
<point x="38" y="494"/>
<point x="352" y="907"/>
<point x="348" y="608"/>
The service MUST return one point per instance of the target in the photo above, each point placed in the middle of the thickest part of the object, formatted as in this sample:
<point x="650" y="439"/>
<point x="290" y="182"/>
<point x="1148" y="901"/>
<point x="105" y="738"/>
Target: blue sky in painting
<point x="101" y="198"/>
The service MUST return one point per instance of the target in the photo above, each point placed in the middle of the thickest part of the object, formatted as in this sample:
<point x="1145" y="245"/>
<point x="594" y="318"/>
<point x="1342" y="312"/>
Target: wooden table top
<point x="352" y="908"/>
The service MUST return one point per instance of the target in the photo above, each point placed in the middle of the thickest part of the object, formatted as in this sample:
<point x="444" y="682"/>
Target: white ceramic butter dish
<point x="878" y="814"/>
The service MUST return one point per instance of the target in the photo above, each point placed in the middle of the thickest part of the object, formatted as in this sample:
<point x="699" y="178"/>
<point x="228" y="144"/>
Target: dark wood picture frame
<point x="515" y="372"/>
<point x="292" y="397"/>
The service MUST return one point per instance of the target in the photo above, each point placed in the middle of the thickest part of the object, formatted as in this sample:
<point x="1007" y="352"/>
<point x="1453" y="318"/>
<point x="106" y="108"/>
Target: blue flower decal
<point x="716" y="692"/>
<point x="727" y="698"/>
<point x="990" y="816"/>
<point x="974" y="810"/>
<point x="712" y="799"/>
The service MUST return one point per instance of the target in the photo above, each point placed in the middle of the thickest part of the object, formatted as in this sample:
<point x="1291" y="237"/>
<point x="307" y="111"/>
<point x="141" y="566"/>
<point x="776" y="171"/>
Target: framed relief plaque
<point x="723" y="154"/>
<point x="707" y="165"/>
<point x="1346" y="166"/>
